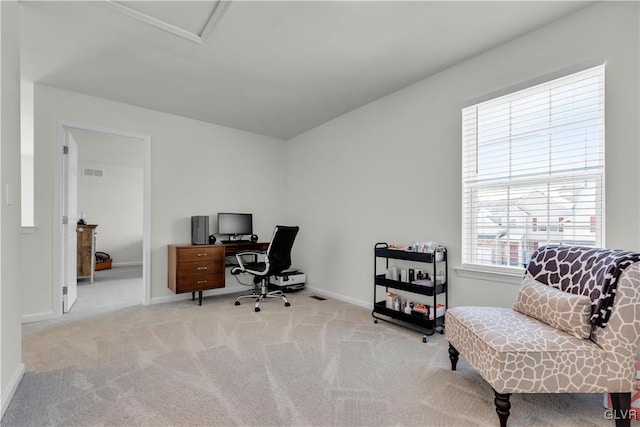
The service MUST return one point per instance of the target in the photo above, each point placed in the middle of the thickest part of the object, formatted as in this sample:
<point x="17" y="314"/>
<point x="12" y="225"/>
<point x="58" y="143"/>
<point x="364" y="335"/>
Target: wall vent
<point x="93" y="172"/>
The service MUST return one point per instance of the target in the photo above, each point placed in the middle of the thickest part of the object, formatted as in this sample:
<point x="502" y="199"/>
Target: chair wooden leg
<point x="453" y="356"/>
<point x="621" y="409"/>
<point x="502" y="407"/>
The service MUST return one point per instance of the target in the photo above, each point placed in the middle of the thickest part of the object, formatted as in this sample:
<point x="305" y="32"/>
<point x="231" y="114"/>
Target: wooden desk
<point x="231" y="249"/>
<point x="195" y="268"/>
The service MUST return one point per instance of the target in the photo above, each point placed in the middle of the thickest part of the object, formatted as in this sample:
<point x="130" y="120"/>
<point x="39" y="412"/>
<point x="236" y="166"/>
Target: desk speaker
<point x="254" y="238"/>
<point x="199" y="230"/>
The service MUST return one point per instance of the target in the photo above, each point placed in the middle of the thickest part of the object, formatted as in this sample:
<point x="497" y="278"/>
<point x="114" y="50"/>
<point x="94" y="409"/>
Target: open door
<point x="70" y="220"/>
<point x="65" y="213"/>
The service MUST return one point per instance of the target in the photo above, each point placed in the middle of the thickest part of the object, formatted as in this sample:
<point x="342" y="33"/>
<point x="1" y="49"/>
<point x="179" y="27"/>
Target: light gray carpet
<point x="115" y="288"/>
<point x="111" y="290"/>
<point x="316" y="363"/>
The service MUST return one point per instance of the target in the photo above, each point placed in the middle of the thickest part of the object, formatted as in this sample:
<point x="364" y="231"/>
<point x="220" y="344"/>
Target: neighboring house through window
<point x="533" y="171"/>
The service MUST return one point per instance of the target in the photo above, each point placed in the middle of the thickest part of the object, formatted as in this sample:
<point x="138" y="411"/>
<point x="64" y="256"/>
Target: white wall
<point x="113" y="201"/>
<point x="196" y="169"/>
<point x="391" y="171"/>
<point x="11" y="367"/>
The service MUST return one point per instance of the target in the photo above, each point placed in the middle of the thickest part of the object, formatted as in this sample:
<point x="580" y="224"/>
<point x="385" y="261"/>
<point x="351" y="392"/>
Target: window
<point x="533" y="171"/>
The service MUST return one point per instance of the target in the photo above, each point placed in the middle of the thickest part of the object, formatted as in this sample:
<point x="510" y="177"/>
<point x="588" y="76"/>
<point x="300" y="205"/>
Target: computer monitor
<point x="235" y="224"/>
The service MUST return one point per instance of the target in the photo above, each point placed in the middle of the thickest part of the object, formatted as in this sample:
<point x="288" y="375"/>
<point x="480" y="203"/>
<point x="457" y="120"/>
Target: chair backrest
<point x="593" y="272"/>
<point x="278" y="254"/>
<point x="621" y="337"/>
<point x="611" y="278"/>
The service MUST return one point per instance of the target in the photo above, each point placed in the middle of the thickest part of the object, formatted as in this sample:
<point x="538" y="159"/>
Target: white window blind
<point x="533" y="171"/>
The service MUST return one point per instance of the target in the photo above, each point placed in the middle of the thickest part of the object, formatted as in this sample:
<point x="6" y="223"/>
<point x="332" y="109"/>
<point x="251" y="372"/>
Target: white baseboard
<point x="126" y="264"/>
<point x="8" y="393"/>
<point x="229" y="290"/>
<point x="340" y="297"/>
<point x="38" y="317"/>
<point x="211" y="292"/>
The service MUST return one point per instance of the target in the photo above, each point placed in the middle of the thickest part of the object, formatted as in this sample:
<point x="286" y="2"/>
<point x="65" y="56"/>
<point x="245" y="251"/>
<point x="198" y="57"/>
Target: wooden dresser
<point x="86" y="234"/>
<point x="195" y="268"/>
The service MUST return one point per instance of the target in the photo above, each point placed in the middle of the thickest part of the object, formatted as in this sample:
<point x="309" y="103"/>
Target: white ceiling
<point x="274" y="68"/>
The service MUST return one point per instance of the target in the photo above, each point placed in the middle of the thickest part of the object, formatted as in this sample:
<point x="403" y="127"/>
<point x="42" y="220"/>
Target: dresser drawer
<point x="199" y="283"/>
<point x="196" y="268"/>
<point x="187" y="269"/>
<point x="200" y="253"/>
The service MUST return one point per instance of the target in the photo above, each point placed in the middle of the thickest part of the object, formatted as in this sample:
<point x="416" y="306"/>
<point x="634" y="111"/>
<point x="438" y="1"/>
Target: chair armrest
<point x="240" y="260"/>
<point x="250" y="253"/>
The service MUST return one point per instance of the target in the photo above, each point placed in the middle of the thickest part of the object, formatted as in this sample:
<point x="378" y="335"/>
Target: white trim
<point x="12" y="386"/>
<point x="214" y="18"/>
<point x="170" y="28"/>
<point x="207" y="293"/>
<point x="56" y="286"/>
<point x="38" y="317"/>
<point x="146" y="221"/>
<point x="170" y="298"/>
<point x="127" y="264"/>
<point x="321" y="292"/>
<point x="229" y="290"/>
<point x="564" y="72"/>
<point x="490" y="275"/>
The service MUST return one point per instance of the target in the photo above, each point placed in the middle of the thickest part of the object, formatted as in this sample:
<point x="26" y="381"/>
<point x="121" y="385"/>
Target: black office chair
<point x="277" y="258"/>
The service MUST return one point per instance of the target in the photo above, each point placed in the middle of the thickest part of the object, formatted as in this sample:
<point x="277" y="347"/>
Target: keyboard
<point x="236" y="241"/>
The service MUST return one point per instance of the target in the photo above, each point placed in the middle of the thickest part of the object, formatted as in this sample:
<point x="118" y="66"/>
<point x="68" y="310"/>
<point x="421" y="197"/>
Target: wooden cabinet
<point x="86" y="234"/>
<point x="195" y="268"/>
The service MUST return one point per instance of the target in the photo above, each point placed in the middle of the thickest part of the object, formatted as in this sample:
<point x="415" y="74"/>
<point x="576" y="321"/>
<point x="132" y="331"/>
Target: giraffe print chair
<point x="574" y="328"/>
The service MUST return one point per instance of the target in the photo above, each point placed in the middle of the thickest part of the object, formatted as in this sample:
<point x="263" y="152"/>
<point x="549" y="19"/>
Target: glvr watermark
<point x="621" y="414"/>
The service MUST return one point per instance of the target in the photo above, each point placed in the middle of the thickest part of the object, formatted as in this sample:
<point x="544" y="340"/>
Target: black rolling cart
<point x="433" y="262"/>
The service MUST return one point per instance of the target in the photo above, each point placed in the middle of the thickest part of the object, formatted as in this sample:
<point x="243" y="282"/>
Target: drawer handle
<point x="201" y="281"/>
<point x="204" y="254"/>
<point x="202" y="268"/>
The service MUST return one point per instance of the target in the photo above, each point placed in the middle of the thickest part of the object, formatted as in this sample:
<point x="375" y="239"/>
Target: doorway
<point x="113" y="194"/>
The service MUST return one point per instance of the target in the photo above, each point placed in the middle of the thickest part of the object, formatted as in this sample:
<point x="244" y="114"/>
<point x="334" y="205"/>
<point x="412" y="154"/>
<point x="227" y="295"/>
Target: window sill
<point x="514" y="278"/>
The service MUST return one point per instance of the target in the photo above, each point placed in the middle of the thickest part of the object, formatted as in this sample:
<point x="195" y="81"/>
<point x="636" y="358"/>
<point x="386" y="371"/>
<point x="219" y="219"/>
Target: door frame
<point x="61" y="127"/>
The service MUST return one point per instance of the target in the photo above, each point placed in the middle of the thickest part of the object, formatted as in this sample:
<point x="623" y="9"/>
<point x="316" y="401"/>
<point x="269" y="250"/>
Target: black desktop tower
<point x="199" y="230"/>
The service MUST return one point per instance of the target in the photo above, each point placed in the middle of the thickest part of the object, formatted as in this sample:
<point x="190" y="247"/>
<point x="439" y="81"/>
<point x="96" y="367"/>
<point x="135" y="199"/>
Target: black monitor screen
<point x="235" y="224"/>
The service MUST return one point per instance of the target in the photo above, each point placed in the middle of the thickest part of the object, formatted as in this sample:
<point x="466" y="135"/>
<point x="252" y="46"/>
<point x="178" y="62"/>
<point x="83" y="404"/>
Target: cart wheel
<point x="237" y="302"/>
<point x="424" y="338"/>
<point x="256" y="309"/>
<point x="287" y="304"/>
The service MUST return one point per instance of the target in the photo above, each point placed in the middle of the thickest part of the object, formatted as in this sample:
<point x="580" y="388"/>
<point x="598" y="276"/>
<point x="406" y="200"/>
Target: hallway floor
<point x="111" y="290"/>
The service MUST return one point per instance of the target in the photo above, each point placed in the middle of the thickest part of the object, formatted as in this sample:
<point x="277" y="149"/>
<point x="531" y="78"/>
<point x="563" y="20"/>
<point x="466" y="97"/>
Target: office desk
<point x="195" y="268"/>
<point x="231" y="249"/>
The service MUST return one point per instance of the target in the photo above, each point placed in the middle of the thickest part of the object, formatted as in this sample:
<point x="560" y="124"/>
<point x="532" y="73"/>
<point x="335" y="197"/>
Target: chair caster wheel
<point x="375" y="321"/>
<point x="257" y="309"/>
<point x="287" y="304"/>
<point x="424" y="339"/>
<point x="237" y="303"/>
